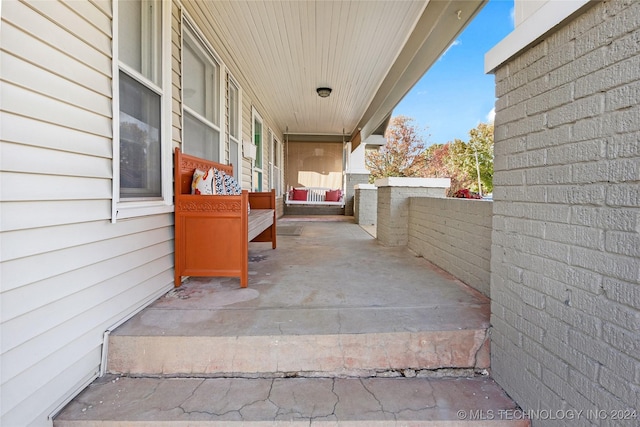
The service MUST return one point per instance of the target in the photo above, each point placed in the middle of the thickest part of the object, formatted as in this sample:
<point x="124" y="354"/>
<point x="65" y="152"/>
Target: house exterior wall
<point x="565" y="259"/>
<point x="455" y="235"/>
<point x="68" y="273"/>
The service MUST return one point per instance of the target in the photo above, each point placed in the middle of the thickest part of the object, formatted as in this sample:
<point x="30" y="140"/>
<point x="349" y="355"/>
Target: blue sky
<point x="455" y="95"/>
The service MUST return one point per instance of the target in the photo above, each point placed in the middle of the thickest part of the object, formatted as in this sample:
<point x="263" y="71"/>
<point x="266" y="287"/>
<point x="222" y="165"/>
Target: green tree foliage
<point x="440" y="164"/>
<point x="476" y="156"/>
<point x="405" y="155"/>
<point x="401" y="155"/>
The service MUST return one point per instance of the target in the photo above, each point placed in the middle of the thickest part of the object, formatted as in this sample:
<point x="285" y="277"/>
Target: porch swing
<point x="312" y="168"/>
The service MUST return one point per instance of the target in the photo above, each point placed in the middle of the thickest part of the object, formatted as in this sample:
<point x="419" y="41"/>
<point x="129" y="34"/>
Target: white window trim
<point x="188" y="24"/>
<point x="130" y="209"/>
<point x="255" y="115"/>
<point x="237" y="167"/>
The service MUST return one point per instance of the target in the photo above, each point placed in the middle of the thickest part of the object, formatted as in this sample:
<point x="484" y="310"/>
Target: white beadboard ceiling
<point x="370" y="53"/>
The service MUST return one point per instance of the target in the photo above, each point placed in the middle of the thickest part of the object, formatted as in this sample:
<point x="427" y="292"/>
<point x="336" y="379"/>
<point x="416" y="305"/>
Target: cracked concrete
<point x="334" y="329"/>
<point x="313" y="304"/>
<point x="294" y="401"/>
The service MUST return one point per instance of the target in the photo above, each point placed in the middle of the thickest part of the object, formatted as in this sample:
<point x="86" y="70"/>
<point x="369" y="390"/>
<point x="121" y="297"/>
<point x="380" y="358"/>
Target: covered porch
<point x="333" y="327"/>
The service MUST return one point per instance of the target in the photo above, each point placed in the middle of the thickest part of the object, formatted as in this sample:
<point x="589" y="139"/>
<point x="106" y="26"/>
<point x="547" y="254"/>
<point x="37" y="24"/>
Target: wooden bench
<point x="315" y="196"/>
<point x="212" y="232"/>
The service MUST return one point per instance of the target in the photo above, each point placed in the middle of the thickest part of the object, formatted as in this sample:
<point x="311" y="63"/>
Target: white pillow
<point x="202" y="182"/>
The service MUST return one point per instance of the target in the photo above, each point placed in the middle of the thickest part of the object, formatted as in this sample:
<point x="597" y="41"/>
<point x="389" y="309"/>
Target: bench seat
<point x="259" y="220"/>
<point x="212" y="232"/>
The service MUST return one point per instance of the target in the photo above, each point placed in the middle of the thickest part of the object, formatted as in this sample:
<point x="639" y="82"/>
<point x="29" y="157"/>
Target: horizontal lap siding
<point x="68" y="273"/>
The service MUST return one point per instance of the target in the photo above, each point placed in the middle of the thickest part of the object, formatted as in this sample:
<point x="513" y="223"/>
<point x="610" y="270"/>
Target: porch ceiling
<point x="369" y="52"/>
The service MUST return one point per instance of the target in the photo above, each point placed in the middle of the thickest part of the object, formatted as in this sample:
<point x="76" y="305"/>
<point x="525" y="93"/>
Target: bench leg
<point x="244" y="279"/>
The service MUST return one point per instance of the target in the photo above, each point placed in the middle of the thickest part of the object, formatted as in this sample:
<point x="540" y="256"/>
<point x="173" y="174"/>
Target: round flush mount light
<point x="323" y="92"/>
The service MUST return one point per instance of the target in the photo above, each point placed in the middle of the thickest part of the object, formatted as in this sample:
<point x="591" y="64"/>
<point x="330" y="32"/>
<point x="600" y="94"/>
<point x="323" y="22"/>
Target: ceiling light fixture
<point x="323" y="92"/>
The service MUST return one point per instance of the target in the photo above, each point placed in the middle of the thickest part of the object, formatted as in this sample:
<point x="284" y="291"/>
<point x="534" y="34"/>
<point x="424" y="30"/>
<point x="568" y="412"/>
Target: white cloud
<point x="492" y="115"/>
<point x="455" y="43"/>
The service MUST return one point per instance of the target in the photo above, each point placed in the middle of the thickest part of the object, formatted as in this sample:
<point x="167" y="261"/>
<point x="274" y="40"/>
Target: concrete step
<point x="119" y="401"/>
<point x="329" y="342"/>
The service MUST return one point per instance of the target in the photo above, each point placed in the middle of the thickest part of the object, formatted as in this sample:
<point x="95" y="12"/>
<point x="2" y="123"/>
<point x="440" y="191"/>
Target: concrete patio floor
<point x="333" y="327"/>
<point x="330" y="284"/>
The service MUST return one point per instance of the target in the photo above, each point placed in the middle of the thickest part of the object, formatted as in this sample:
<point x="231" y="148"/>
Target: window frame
<point x="190" y="31"/>
<point x="257" y="171"/>
<point x="237" y="139"/>
<point x="130" y="207"/>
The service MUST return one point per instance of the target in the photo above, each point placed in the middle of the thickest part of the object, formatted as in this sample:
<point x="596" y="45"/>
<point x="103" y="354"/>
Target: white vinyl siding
<point x="68" y="273"/>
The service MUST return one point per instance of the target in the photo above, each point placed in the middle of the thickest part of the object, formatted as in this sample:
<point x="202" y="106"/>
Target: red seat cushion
<point x="300" y="194"/>
<point x="333" y="195"/>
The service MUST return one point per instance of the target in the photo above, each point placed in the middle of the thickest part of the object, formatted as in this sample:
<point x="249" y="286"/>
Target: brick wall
<point x="566" y="246"/>
<point x="392" y="214"/>
<point x="454" y="234"/>
<point x="365" y="204"/>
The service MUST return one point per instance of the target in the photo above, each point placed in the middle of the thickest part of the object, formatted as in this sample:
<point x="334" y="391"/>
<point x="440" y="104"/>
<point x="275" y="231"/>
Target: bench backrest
<point x="184" y="166"/>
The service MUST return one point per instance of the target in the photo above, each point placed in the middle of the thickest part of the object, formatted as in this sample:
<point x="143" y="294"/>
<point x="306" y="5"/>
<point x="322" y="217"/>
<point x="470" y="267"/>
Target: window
<point x="140" y="101"/>
<point x="277" y="167"/>
<point x="233" y="99"/>
<point x="274" y="164"/>
<point x="201" y="106"/>
<point x="257" y="164"/>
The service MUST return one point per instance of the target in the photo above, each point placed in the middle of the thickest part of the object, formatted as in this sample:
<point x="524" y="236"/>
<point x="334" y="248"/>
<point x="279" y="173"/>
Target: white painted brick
<point x="545" y="285"/>
<point x="591" y="194"/>
<point x="617" y="385"/>
<point x="575" y="318"/>
<point x="587" y="63"/>
<point x="595" y="349"/>
<point x="526" y="159"/>
<point x="623" y="243"/>
<point x="624" y="195"/>
<point x="588" y="173"/>
<point x="526" y="126"/>
<point x="627" y="293"/>
<point x="560" y="174"/>
<point x="622" y="219"/>
<point x="572" y="357"/>
<point x="583" y="151"/>
<point x="579" y="109"/>
<point x="593" y="128"/>
<point x="607" y="78"/>
<point x="621" y="339"/>
<point x="625" y="46"/>
<point x="623" y="170"/>
<point x="557" y="56"/>
<point x="618" y="314"/>
<point x="565" y="247"/>
<point x="584" y="279"/>
<point x="551" y="99"/>
<point x="527" y="58"/>
<point x="549" y="137"/>
<point x="616" y="266"/>
<point x="577" y="235"/>
<point x="623" y="97"/>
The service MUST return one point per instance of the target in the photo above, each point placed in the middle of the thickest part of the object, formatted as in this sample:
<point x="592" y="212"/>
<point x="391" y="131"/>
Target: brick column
<point x="353" y="179"/>
<point x="392" y="226"/>
<point x="365" y="205"/>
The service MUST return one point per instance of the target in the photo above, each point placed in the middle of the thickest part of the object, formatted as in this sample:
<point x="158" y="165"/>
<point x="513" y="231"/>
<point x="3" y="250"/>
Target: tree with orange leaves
<point x="403" y="153"/>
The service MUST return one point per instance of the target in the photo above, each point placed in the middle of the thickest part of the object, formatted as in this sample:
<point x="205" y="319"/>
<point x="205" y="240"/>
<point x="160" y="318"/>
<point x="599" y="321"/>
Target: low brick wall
<point x="455" y="235"/>
<point x="365" y="204"/>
